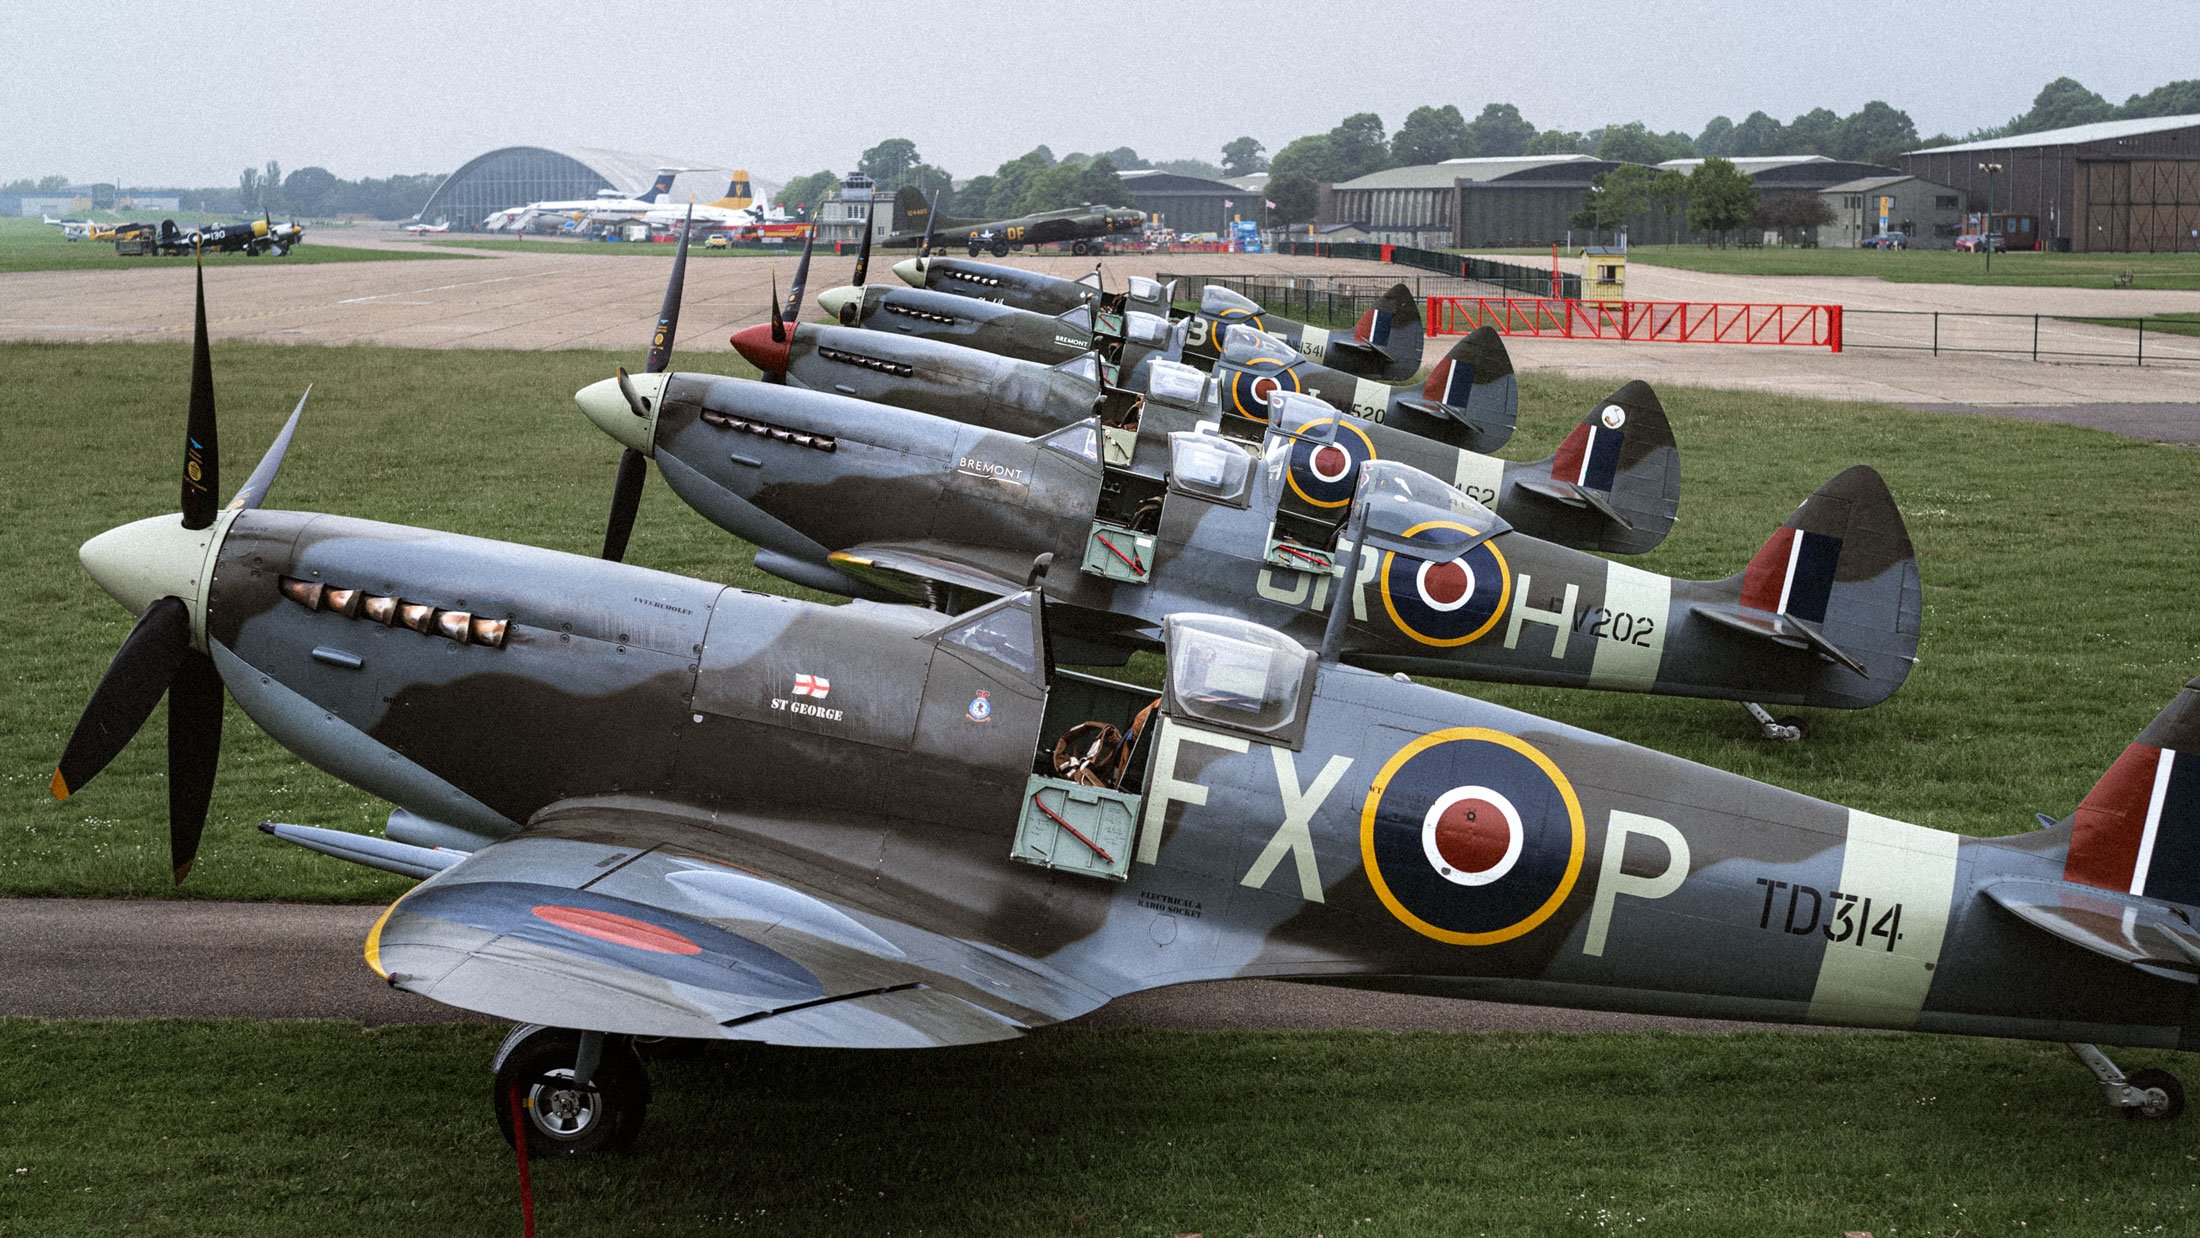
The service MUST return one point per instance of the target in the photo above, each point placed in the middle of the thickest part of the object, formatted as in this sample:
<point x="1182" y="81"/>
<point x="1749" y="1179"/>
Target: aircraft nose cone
<point x="911" y="271"/>
<point x="762" y="351"/>
<point x="837" y="301"/>
<point x="146" y="560"/>
<point x="606" y="405"/>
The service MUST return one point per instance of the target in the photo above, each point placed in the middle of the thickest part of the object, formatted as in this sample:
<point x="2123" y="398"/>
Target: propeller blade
<point x="201" y="451"/>
<point x="194" y="750"/>
<point x="863" y="255"/>
<point x="254" y="491"/>
<point x="626" y="499"/>
<point x="140" y="672"/>
<point x="779" y="324"/>
<point x="924" y="248"/>
<point x="668" y="314"/>
<point x="801" y="278"/>
<point x="633" y="397"/>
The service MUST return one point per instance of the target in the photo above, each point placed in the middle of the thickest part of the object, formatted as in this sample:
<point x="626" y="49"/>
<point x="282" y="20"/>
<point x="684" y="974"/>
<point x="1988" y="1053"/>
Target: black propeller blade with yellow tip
<point x="863" y="255"/>
<point x="159" y="657"/>
<point x="626" y="492"/>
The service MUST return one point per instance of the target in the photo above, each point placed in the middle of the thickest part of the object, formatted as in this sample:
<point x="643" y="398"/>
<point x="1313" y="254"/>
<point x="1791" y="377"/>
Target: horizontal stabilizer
<point x="1574" y="494"/>
<point x="1779" y="629"/>
<point x="2126" y="928"/>
<point x="404" y="859"/>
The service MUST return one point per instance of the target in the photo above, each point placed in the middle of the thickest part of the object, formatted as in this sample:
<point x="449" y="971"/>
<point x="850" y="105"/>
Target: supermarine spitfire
<point x="643" y="785"/>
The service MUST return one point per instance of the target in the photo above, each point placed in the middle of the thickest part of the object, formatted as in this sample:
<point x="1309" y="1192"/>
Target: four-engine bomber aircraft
<point x="683" y="809"/>
<point x="916" y="227"/>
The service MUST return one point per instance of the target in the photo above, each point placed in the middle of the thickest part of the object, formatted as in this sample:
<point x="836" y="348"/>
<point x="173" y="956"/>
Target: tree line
<point x="310" y="192"/>
<point x="1036" y="180"/>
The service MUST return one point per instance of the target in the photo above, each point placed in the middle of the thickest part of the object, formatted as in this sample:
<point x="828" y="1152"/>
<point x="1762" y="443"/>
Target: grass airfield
<point x="2057" y="564"/>
<point x="32" y="245"/>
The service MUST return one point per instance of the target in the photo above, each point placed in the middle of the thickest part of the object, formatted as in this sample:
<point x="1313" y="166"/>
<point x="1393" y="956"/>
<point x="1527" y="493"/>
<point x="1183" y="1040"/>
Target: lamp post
<point x="1986" y="229"/>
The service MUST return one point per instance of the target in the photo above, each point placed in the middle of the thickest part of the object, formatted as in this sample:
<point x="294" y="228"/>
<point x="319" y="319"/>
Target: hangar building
<point x="1499" y="200"/>
<point x="2116" y="186"/>
<point x="517" y="175"/>
<point x="1790" y="173"/>
<point x="1189" y="204"/>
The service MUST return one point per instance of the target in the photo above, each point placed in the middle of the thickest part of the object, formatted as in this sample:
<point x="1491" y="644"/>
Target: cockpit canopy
<point x="1244" y="346"/>
<point x="1174" y="382"/>
<point x="1147" y="329"/>
<point x="1216" y="300"/>
<point x="1238" y="676"/>
<point x="1210" y="466"/>
<point x="1414" y="514"/>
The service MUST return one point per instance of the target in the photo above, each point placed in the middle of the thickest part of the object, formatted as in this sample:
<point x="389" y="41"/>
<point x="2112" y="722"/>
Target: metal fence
<point x="1666" y="322"/>
<point x="1517" y="279"/>
<point x="2041" y="337"/>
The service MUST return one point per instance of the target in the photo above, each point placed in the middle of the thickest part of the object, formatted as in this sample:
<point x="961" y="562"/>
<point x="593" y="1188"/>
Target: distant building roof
<point x="1749" y="165"/>
<point x="2099" y="131"/>
<point x="1258" y="180"/>
<point x="1441" y="175"/>
<point x="1153" y="181"/>
<point x="1867" y="184"/>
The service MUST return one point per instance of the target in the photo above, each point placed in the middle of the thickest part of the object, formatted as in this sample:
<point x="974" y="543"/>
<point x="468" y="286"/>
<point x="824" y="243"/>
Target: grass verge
<point x="1917" y="266"/>
<point x="176" y="1127"/>
<point x="28" y="245"/>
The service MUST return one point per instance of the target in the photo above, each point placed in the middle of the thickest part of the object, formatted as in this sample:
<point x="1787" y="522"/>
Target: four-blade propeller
<point x="159" y="656"/>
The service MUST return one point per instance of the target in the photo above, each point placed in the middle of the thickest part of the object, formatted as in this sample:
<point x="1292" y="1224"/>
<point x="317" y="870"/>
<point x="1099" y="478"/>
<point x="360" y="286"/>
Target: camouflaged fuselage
<point x="1403" y="838"/>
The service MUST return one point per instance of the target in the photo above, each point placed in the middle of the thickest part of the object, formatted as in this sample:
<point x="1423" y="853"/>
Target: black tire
<point x="1079" y="248"/>
<point x="1800" y="723"/>
<point x="976" y="249"/>
<point x="1000" y="249"/>
<point x="562" y="1120"/>
<point x="2172" y="1090"/>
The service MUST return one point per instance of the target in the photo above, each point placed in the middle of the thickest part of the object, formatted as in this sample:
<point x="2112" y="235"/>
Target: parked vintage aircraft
<point x="1025" y="398"/>
<point x="93" y="230"/>
<point x="642" y="789"/>
<point x="1475" y="375"/>
<point x="914" y="225"/>
<point x="1386" y="343"/>
<point x="516" y="218"/>
<point x="440" y="225"/>
<point x="251" y="237"/>
<point x="71" y="229"/>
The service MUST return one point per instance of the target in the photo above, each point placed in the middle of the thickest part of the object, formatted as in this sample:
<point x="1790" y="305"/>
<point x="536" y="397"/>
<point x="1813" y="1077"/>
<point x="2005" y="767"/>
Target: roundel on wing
<point x="1249" y="389"/>
<point x="1472" y="836"/>
<point x="1323" y="474"/>
<point x="1451" y="603"/>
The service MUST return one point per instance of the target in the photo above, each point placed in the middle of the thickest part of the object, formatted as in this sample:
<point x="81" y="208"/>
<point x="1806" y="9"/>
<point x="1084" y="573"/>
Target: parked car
<point x="1886" y="240"/>
<point x="1973" y="243"/>
<point x="718" y="240"/>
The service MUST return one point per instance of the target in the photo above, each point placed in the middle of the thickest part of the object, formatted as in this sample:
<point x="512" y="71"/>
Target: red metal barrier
<point x="1668" y="322"/>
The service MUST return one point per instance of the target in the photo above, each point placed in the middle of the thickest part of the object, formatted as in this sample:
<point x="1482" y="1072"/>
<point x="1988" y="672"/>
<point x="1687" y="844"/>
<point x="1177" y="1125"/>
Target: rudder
<point x="1623" y="455"/>
<point x="1477" y="393"/>
<point x="910" y="209"/>
<point x="1394" y="328"/>
<point x="2138" y="829"/>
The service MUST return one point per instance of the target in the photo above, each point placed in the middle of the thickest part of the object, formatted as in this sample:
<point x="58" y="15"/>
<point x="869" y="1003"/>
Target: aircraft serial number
<point x="1847" y="918"/>
<point x="1616" y="625"/>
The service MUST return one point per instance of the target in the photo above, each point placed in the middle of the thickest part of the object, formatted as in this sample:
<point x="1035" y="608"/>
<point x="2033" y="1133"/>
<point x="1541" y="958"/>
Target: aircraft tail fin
<point x="658" y="188"/>
<point x="739" y="195"/>
<point x="1839" y="578"/>
<point x="1615" y="479"/>
<point x="1386" y="342"/>
<point x="1471" y="398"/>
<point x="911" y="209"/>
<point x="2138" y="829"/>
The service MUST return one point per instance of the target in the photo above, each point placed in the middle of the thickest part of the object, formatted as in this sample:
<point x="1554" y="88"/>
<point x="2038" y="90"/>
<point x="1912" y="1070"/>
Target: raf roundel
<point x="1323" y="474"/>
<point x="1449" y="603"/>
<point x="1472" y="836"/>
<point x="1249" y="391"/>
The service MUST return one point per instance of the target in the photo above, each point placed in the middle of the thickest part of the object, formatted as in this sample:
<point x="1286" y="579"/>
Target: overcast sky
<point x="148" y="94"/>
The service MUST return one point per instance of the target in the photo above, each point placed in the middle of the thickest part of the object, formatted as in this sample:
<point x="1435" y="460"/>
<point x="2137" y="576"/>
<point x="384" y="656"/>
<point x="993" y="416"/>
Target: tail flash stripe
<point x="1810" y="576"/>
<point x="1374" y="327"/>
<point x="2109" y="825"/>
<point x="2171" y="861"/>
<point x="2150" y="834"/>
<point x="1589" y="457"/>
<point x="1451" y="382"/>
<point x="1764" y="582"/>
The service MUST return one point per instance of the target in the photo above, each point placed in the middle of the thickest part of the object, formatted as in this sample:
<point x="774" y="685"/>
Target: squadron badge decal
<point x="1471" y="836"/>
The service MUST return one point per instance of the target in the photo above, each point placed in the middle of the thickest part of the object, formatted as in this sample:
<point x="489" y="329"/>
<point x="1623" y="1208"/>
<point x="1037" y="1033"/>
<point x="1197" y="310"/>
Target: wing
<point x="624" y="915"/>
<point x="905" y="568"/>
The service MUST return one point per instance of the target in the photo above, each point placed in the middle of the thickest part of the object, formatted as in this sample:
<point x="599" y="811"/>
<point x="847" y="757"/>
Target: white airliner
<point x="607" y="201"/>
<point x="740" y="206"/>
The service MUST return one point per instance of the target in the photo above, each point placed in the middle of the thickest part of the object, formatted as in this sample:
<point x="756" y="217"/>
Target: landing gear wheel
<point x="2165" y="1095"/>
<point x="1079" y="248"/>
<point x="1798" y="724"/>
<point x="1788" y="730"/>
<point x="565" y="1118"/>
